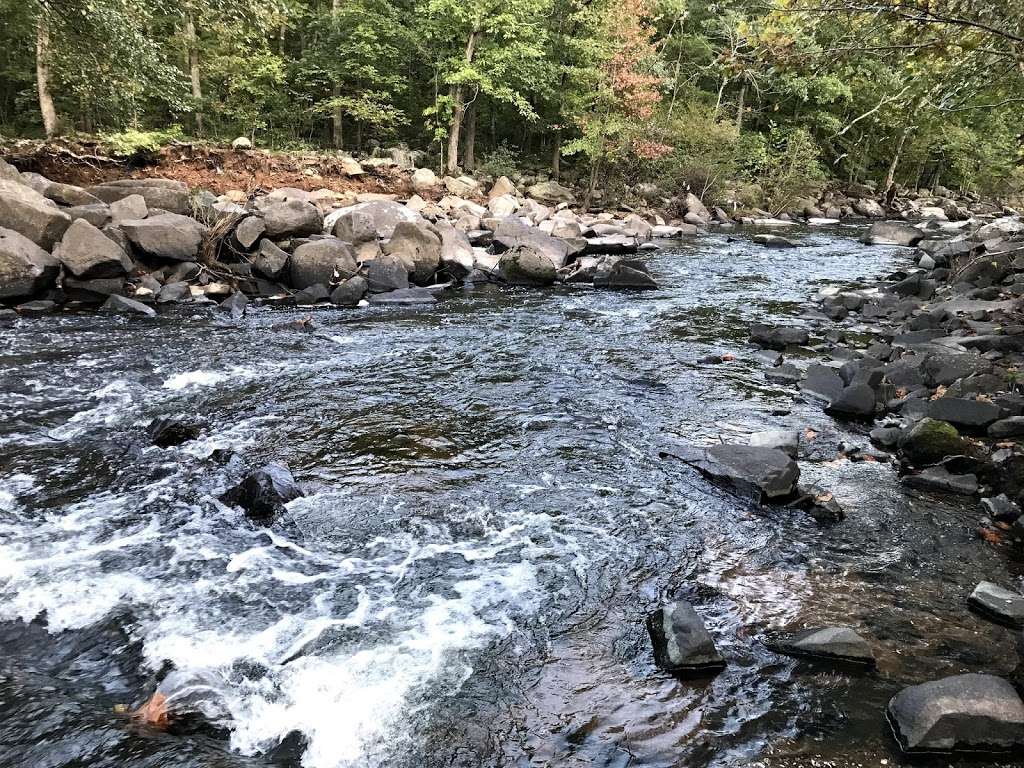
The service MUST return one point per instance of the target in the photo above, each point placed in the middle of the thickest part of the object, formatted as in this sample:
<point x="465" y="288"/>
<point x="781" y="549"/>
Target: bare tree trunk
<point x="741" y="106"/>
<point x="556" y="155"/>
<point x="459" y="108"/>
<point x="890" y="177"/>
<point x="46" y="108"/>
<point x="337" y="134"/>
<point x="469" y="148"/>
<point x="193" y="68"/>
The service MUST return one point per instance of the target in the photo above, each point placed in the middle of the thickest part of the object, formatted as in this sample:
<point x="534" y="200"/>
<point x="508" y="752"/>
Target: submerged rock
<point x="940" y="479"/>
<point x="753" y="471"/>
<point x="264" y="492"/>
<point x="964" y="712"/>
<point x="836" y="643"/>
<point x="777" y="336"/>
<point x="170" y="431"/>
<point x="126" y="306"/>
<point x="893" y="233"/>
<point x="998" y="604"/>
<point x="681" y="642"/>
<point x="403" y="296"/>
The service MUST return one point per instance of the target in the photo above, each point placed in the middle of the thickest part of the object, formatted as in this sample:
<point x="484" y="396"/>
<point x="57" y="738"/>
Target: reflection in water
<point x="486" y="526"/>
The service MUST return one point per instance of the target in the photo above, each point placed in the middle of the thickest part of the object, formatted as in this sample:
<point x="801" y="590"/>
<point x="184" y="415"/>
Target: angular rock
<point x="126" y="306"/>
<point x="1011" y="427"/>
<point x="249" y="231"/>
<point x="832" y="643"/>
<point x="620" y="274"/>
<point x="28" y="213"/>
<point x="87" y="253"/>
<point x="512" y="233"/>
<point x="98" y="215"/>
<point x="941" y="480"/>
<point x="775" y="241"/>
<point x="166" y="236"/>
<point x="172" y="431"/>
<point x="777" y="336"/>
<point x="524" y="265"/>
<point x="785" y="440"/>
<point x="457" y="257"/>
<point x="962" y="413"/>
<point x="551" y="193"/>
<point x="235" y="304"/>
<point x="856" y="401"/>
<point x="998" y="604"/>
<point x="292" y="218"/>
<point x="25" y="268"/>
<point x="386" y="274"/>
<point x="382" y="216"/>
<point x="752" y="471"/>
<point x="964" y="712"/>
<point x="128" y="209"/>
<point x="893" y="233"/>
<point x="263" y="493"/>
<point x="270" y="261"/>
<point x="350" y="292"/>
<point x="682" y="644"/>
<point x="164" y="194"/>
<point x="930" y="441"/>
<point x="321" y="261"/>
<point x="172" y="292"/>
<point x="418" y="248"/>
<point x="403" y="297"/>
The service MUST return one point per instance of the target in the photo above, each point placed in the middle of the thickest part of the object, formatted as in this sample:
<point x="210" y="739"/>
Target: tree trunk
<point x="458" y="108"/>
<point x="890" y="177"/>
<point x="469" y="147"/>
<point x="46" y="108"/>
<point x="556" y="155"/>
<point x="337" y="134"/>
<point x="193" y="69"/>
<point x="741" y="106"/>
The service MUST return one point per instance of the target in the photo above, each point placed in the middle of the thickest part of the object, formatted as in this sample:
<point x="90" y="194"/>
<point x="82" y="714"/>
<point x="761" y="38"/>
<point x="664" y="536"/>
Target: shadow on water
<point x="486" y="525"/>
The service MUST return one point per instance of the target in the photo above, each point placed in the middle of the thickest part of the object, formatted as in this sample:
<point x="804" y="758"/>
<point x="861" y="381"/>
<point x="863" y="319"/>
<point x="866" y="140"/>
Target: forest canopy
<point x="780" y="94"/>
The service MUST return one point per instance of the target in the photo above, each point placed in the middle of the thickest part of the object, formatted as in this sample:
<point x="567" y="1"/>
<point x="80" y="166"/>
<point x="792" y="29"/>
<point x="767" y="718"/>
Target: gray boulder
<point x="964" y="712"/>
<point x="682" y="644"/>
<point x="125" y="306"/>
<point x="87" y="253"/>
<point x="752" y="471"/>
<point x="383" y="215"/>
<point x="775" y="241"/>
<point x="620" y="274"/>
<point x="166" y="236"/>
<point x="893" y="233"/>
<point x="25" y="211"/>
<point x="350" y="292"/>
<point x="321" y="261"/>
<point x="404" y="296"/>
<point x="249" y="231"/>
<point x="25" y="268"/>
<point x="1011" y="427"/>
<point x="98" y="215"/>
<point x="941" y="480"/>
<point x="998" y="604"/>
<point x="385" y="274"/>
<point x="930" y="441"/>
<point x="164" y="194"/>
<point x="263" y="493"/>
<point x="270" y="261"/>
<point x="785" y="440"/>
<point x="456" y="251"/>
<point x="512" y="233"/>
<point x="834" y="643"/>
<point x="292" y="218"/>
<point x="524" y="265"/>
<point x="69" y="194"/>
<point x="172" y="292"/>
<point x="551" y="193"/>
<point x="418" y="248"/>
<point x="777" y="336"/>
<point x="964" y="414"/>
<point x="855" y="401"/>
<point x="129" y="209"/>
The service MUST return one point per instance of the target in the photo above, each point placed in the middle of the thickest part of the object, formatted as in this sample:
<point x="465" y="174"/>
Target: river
<point x="487" y="521"/>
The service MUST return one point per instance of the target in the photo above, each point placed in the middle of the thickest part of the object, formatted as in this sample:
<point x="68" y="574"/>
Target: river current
<point x="487" y="521"/>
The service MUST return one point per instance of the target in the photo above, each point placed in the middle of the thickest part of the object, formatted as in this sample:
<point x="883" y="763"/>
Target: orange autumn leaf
<point x="154" y="712"/>
<point x="810" y="434"/>
<point x="992" y="537"/>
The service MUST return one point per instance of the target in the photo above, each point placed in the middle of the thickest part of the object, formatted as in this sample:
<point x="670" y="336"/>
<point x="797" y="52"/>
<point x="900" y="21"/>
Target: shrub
<point x="500" y="161"/>
<point x="134" y="142"/>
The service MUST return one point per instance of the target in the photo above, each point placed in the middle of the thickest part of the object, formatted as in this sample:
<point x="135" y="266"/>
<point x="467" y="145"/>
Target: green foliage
<point x="134" y="142"/>
<point x="503" y="160"/>
<point x="787" y="168"/>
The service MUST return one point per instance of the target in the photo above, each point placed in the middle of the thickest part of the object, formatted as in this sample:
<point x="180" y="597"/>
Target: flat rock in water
<point x="787" y="441"/>
<point x="682" y="644"/>
<point x="775" y="241"/>
<point x="753" y="471"/>
<point x="836" y="643"/>
<point x="998" y="604"/>
<point x="855" y="401"/>
<point x="403" y="296"/>
<point x="939" y="479"/>
<point x="264" y="492"/>
<point x="126" y="306"/>
<point x="964" y="712"/>
<point x="822" y="381"/>
<point x="777" y="336"/>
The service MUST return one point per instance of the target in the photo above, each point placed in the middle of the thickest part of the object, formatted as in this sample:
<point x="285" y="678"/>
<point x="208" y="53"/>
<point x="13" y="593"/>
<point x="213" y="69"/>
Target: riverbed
<point x="487" y="521"/>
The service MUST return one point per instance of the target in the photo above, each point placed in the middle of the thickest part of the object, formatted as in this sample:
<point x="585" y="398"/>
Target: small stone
<point x="264" y="492"/>
<point x="682" y="644"/>
<point x="835" y="643"/>
<point x="998" y="604"/>
<point x="126" y="306"/>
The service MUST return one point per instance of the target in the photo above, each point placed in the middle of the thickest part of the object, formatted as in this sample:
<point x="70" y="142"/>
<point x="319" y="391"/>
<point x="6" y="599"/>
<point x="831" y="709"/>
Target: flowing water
<point x="487" y="521"/>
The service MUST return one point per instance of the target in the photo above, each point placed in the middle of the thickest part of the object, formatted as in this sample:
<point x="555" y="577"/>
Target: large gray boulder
<point x="525" y="265"/>
<point x="25" y="268"/>
<point x="551" y="193"/>
<point x="87" y="253"/>
<point x="292" y="218"/>
<point x="964" y="712"/>
<point x="270" y="261"/>
<point x="69" y="195"/>
<point x="929" y="441"/>
<point x="386" y="273"/>
<point x="696" y="210"/>
<point x="830" y="643"/>
<point x="682" y="644"/>
<point x="417" y="247"/>
<point x="893" y="233"/>
<point x="355" y="226"/>
<point x="384" y="215"/>
<point x="750" y="470"/>
<point x="166" y="236"/>
<point x="623" y="275"/>
<point x="27" y="212"/>
<point x="321" y="261"/>
<point x="777" y="336"/>
<point x="456" y="251"/>
<point x="512" y="233"/>
<point x="165" y="194"/>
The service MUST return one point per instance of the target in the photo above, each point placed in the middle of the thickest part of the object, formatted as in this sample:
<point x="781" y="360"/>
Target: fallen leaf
<point x="728" y="357"/>
<point x="810" y="434"/>
<point x="154" y="712"/>
<point x="992" y="537"/>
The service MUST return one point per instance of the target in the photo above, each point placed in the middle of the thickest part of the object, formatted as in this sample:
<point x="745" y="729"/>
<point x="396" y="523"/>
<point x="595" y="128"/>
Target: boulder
<point x="418" y="248"/>
<point x="28" y="213"/>
<point x="503" y="186"/>
<point x="349" y="292"/>
<point x="87" y="253"/>
<point x="893" y="233"/>
<point x="823" y="381"/>
<point x="165" y="194"/>
<point x="166" y="236"/>
<point x="512" y="233"/>
<point x="1000" y="605"/>
<point x="682" y="644"/>
<point x="172" y="292"/>
<point x="930" y="441"/>
<point x="383" y="217"/>
<point x="69" y="195"/>
<point x="125" y="306"/>
<point x="98" y="215"/>
<point x="172" y="431"/>
<point x="831" y="643"/>
<point x="456" y="251"/>
<point x="503" y="206"/>
<point x="424" y="180"/>
<point x="752" y="471"/>
<point x="963" y="413"/>
<point x="403" y="297"/>
<point x="264" y="492"/>
<point x="128" y="209"/>
<point x="386" y="274"/>
<point x="241" y="144"/>
<point x="270" y="261"/>
<point x="249" y="231"/>
<point x="292" y="218"/>
<point x="621" y="274"/>
<point x="777" y="336"/>
<point x="775" y="241"/>
<point x="869" y="209"/>
<point x="524" y="265"/>
<point x="25" y="268"/>
<point x="1010" y="427"/>
<point x="235" y="304"/>
<point x="855" y="401"/>
<point x="551" y="193"/>
<point x="942" y="480"/>
<point x="463" y="186"/>
<point x="698" y="213"/>
<point x="964" y="712"/>
<point x="321" y="261"/>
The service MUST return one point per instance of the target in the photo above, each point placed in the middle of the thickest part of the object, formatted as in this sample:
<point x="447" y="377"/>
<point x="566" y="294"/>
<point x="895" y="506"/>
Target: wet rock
<point x="753" y="471"/>
<point x="349" y="292"/>
<point x="1001" y="508"/>
<point x="235" y="304"/>
<point x="404" y="297"/>
<point x="930" y="441"/>
<point x="525" y="266"/>
<point x="964" y="414"/>
<point x="87" y="253"/>
<point x="263" y="493"/>
<point x="385" y="274"/>
<point x="31" y="215"/>
<point x="37" y="307"/>
<point x="25" y="268"/>
<point x="893" y="233"/>
<point x="964" y="712"/>
<point x="620" y="274"/>
<point x="855" y="401"/>
<point x="785" y="440"/>
<point x="418" y="248"/>
<point x="887" y="437"/>
<point x="682" y="644"/>
<point x="777" y="336"/>
<point x="941" y="480"/>
<point x="312" y="294"/>
<point x="321" y="261"/>
<point x="786" y="373"/>
<point x="775" y="241"/>
<point x="171" y="431"/>
<point x="831" y="643"/>
<point x="998" y="604"/>
<point x="292" y="218"/>
<point x="166" y="236"/>
<point x="94" y="291"/>
<point x="823" y="382"/>
<point x="172" y="292"/>
<point x="1011" y="427"/>
<point x="819" y="504"/>
<point x="125" y="306"/>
